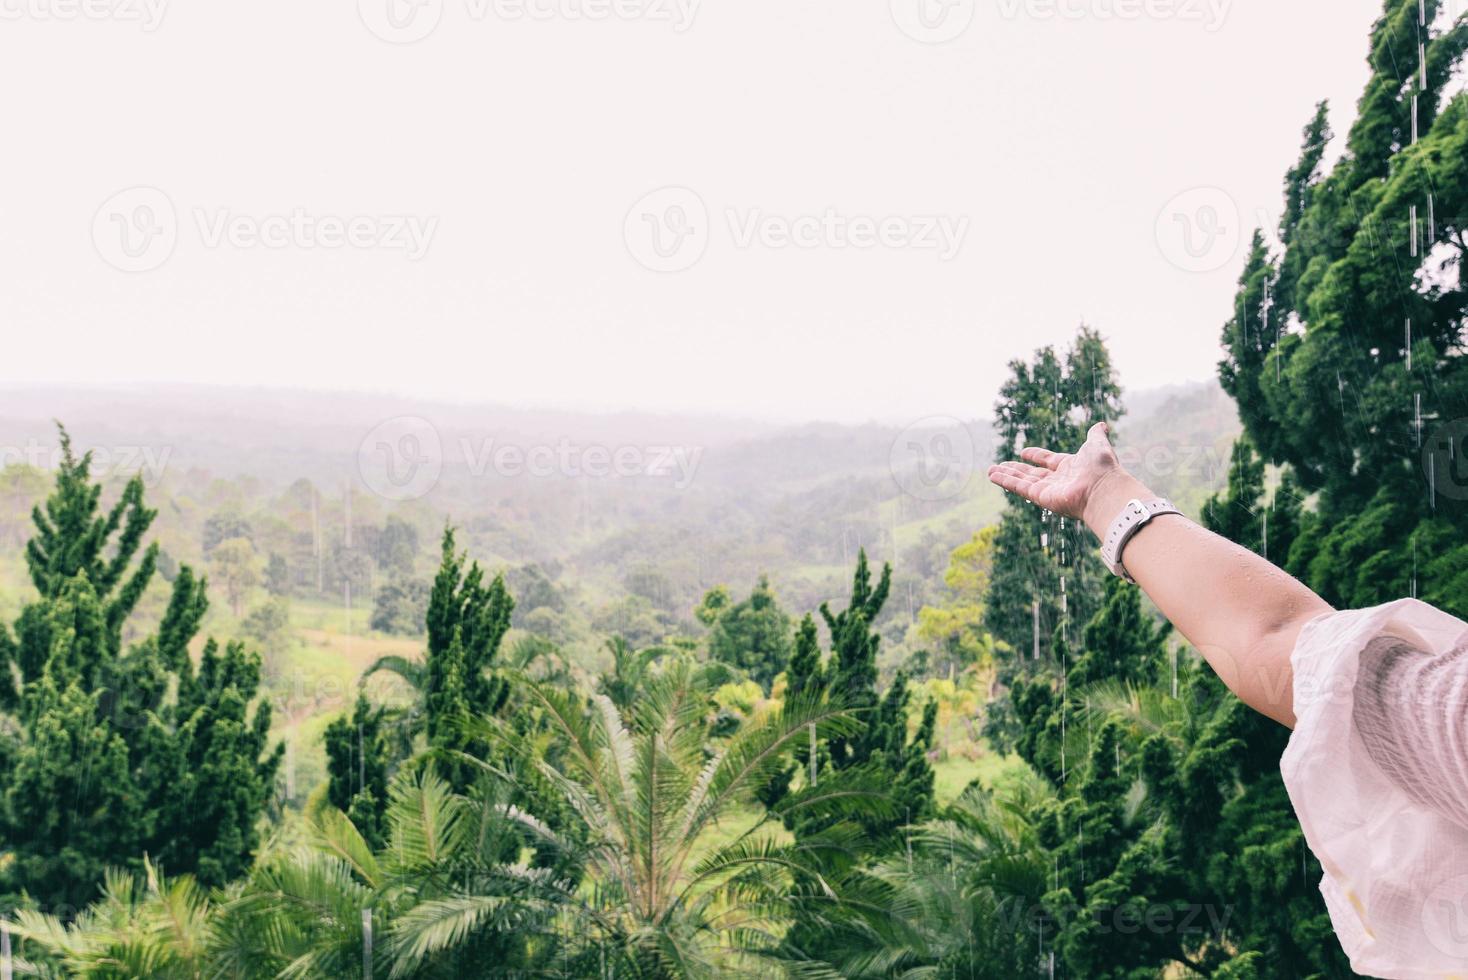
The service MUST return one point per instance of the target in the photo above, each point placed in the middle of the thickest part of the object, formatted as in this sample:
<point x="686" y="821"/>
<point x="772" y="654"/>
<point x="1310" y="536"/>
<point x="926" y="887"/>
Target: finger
<point x="1100" y="432"/>
<point x="1042" y="457"/>
<point x="1007" y="479"/>
<point x="1023" y="470"/>
<point x="1026" y="470"/>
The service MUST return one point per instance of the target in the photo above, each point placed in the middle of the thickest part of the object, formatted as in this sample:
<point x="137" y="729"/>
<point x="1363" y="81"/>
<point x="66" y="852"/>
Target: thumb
<point x="1099" y="432"/>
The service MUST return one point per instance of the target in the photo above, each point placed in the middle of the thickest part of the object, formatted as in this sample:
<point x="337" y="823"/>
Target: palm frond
<point x="334" y="832"/>
<point x="425" y="820"/>
<point x="413" y="672"/>
<point x="439" y="924"/>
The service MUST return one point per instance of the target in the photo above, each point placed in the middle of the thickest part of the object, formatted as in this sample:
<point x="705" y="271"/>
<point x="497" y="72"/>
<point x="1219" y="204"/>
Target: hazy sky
<point x="832" y="209"/>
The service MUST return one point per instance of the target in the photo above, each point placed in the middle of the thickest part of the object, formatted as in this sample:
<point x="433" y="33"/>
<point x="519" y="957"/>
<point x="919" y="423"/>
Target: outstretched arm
<point x="1241" y="612"/>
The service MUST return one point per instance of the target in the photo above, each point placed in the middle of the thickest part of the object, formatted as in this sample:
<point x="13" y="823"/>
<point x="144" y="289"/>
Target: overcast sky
<point x="829" y="209"/>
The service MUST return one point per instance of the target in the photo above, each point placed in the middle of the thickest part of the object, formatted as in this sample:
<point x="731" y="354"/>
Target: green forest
<point x="789" y="721"/>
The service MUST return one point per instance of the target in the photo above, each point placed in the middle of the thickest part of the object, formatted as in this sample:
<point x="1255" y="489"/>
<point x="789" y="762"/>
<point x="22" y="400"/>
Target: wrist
<point x="1109" y="496"/>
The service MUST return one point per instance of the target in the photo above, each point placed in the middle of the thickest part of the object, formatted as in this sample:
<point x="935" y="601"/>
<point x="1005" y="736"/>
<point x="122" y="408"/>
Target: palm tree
<point x="960" y="903"/>
<point x="440" y="899"/>
<point x="672" y="891"/>
<point x="637" y="878"/>
<point x="654" y="864"/>
<point x="633" y="670"/>
<point x="142" y="926"/>
<point x="531" y="655"/>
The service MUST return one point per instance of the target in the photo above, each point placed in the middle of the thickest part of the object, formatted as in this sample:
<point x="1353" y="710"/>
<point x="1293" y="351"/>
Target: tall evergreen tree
<point x="1341" y="356"/>
<point x="874" y="759"/>
<point x="119" y="753"/>
<point x="1051" y="401"/>
<point x="804" y="673"/>
<point x="1046" y="575"/>
<point x="1107" y="851"/>
<point x="1153" y="768"/>
<point x="852" y="674"/>
<point x="466" y="622"/>
<point x="753" y="635"/>
<point x="1341" y="351"/>
<point x="358" y="754"/>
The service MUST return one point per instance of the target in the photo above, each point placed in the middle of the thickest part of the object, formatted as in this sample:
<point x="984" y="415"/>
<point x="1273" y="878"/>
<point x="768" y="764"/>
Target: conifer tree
<point x="1123" y="643"/>
<point x="357" y="763"/>
<point x="467" y="620"/>
<point x="1051" y="401"/>
<point x="804" y="673"/>
<point x="1046" y="576"/>
<point x="119" y="753"/>
<point x="209" y="805"/>
<point x="466" y="623"/>
<point x="852" y="674"/>
<point x="752" y="635"/>
<point x="879" y="760"/>
<point x="1341" y="350"/>
<point x="880" y="752"/>
<point x="70" y="807"/>
<point x="1107" y="864"/>
<point x="1234" y="512"/>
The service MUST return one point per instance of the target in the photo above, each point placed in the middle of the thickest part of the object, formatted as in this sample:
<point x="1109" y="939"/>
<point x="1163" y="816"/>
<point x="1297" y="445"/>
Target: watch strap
<point x="1133" y="517"/>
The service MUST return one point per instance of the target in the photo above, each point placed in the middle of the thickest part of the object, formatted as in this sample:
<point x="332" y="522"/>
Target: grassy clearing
<point x="951" y="776"/>
<point x="317" y="678"/>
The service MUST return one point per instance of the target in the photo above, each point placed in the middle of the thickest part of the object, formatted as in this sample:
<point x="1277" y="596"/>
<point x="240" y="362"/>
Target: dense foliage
<point x="118" y="751"/>
<point x="722" y="789"/>
<point x="1343" y="352"/>
<point x="752" y="635"/>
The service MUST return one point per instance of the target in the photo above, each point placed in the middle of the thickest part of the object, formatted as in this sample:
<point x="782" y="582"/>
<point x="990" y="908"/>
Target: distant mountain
<point x="635" y="514"/>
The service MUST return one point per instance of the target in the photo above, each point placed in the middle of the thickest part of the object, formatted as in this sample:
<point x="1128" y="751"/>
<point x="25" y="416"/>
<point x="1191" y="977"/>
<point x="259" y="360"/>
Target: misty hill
<point x="618" y="522"/>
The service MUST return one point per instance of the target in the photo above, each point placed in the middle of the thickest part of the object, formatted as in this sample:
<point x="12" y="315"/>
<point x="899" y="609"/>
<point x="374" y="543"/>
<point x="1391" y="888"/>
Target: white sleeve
<point x="1377" y="771"/>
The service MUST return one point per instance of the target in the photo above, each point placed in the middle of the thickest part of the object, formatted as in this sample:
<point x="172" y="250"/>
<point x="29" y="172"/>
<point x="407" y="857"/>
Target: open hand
<point x="1065" y="483"/>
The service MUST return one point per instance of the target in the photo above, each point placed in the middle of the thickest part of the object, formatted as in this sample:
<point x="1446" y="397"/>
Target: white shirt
<point x="1377" y="770"/>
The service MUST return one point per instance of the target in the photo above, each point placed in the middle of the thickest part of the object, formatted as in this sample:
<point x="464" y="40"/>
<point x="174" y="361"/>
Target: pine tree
<point x="121" y="753"/>
<point x="753" y="635"/>
<point x="1108" y="864"/>
<point x="1123" y="643"/>
<point x="1113" y="877"/>
<point x="72" y="539"/>
<point x="879" y="761"/>
<point x="71" y="806"/>
<point x="1046" y="575"/>
<point x="208" y="810"/>
<point x="804" y="673"/>
<point x="852" y="673"/>
<point x="880" y="752"/>
<point x="467" y="620"/>
<point x="1341" y="349"/>
<point x="1217" y="778"/>
<point x="1051" y="401"/>
<point x="357" y="767"/>
<point x="1235" y="512"/>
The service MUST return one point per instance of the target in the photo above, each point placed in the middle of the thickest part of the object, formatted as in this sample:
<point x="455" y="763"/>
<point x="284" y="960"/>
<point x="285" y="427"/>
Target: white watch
<point x="1133" y="517"/>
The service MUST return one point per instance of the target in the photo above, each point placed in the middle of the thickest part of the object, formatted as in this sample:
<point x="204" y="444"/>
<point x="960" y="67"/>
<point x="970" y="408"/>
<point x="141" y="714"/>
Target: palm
<point x="1059" y="482"/>
<point x="1061" y="490"/>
